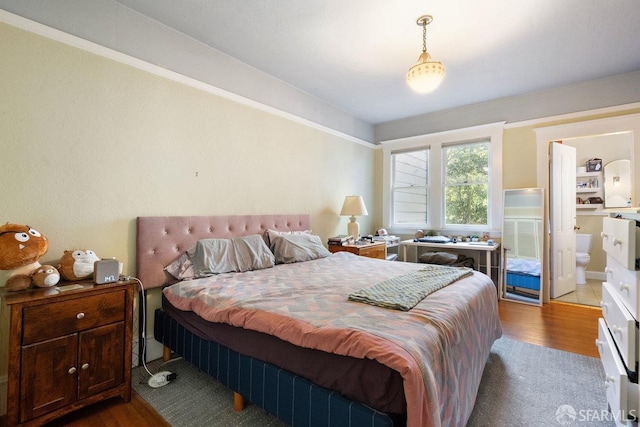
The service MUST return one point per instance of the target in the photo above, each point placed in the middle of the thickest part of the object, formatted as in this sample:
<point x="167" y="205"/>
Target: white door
<point x="562" y="198"/>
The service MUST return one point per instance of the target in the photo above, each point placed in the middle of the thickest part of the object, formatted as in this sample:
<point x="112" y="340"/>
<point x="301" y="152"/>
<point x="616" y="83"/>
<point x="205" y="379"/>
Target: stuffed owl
<point x="77" y="264"/>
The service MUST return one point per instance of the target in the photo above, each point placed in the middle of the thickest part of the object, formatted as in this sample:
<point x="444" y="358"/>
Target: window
<point x="410" y="186"/>
<point x="449" y="182"/>
<point x="466" y="184"/>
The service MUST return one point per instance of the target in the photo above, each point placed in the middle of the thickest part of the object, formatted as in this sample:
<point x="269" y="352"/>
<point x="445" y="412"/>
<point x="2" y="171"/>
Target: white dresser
<point x="618" y="342"/>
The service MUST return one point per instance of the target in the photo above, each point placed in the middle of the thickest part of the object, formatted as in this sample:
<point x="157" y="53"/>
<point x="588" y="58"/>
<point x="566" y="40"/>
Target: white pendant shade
<point x="426" y="75"/>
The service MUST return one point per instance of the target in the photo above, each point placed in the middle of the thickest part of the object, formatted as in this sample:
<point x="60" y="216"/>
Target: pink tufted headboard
<point x="162" y="239"/>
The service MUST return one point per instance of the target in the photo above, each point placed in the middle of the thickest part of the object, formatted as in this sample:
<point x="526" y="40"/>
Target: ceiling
<point x="354" y="54"/>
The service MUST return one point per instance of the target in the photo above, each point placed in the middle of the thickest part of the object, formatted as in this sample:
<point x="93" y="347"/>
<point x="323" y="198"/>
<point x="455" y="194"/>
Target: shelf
<point x="588" y="174"/>
<point x="589" y="206"/>
<point x="588" y="190"/>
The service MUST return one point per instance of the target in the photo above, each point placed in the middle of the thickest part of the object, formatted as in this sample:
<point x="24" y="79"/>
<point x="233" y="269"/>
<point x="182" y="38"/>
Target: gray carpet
<point x="522" y="385"/>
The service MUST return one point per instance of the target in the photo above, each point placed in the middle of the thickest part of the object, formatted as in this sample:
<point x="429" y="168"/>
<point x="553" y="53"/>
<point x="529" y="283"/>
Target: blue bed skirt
<point x="290" y="398"/>
<point x="520" y="280"/>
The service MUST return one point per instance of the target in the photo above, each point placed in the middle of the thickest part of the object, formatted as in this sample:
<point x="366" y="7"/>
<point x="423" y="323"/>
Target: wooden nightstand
<point x="67" y="349"/>
<point x="371" y="250"/>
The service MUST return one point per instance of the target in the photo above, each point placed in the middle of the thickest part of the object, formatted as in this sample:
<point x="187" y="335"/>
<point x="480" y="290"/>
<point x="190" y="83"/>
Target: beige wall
<point x="519" y="148"/>
<point x="87" y="144"/>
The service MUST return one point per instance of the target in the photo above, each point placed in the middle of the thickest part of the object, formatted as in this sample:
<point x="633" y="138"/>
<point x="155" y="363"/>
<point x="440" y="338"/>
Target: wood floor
<point x="562" y="326"/>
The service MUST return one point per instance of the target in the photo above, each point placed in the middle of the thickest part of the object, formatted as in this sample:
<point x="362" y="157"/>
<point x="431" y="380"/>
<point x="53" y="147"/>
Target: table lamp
<point x="353" y="206"/>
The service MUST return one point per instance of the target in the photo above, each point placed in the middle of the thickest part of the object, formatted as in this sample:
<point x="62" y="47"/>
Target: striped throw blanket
<point x="404" y="292"/>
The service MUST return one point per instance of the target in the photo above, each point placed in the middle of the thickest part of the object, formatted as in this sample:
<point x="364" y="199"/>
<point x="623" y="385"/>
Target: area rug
<point x="522" y="385"/>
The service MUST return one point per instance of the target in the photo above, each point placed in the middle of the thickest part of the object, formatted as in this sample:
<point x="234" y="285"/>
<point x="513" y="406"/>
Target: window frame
<point x="435" y="143"/>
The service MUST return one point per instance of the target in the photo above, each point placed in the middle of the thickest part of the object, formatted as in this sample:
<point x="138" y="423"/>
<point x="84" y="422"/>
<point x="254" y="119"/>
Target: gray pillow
<point x="272" y="234"/>
<point x="252" y="253"/>
<point x="297" y="248"/>
<point x="216" y="256"/>
<point x="213" y="256"/>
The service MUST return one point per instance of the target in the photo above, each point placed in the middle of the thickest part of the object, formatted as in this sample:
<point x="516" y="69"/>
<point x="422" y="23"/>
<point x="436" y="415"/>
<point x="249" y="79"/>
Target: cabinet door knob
<point x="603" y="234"/>
<point x="80" y="316"/>
<point x="599" y="343"/>
<point x="623" y="286"/>
<point x="617" y="242"/>
<point x="85" y="366"/>
<point x="72" y="370"/>
<point x="604" y="306"/>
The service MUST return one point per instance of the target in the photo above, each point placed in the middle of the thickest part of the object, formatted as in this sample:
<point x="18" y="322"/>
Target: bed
<point x="287" y="338"/>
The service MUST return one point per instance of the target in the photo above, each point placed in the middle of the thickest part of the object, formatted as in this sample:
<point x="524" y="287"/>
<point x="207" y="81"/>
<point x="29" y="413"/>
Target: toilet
<point x="583" y="247"/>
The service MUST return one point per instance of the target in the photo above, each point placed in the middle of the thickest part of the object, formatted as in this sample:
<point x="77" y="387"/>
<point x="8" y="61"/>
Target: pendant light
<point x="427" y="74"/>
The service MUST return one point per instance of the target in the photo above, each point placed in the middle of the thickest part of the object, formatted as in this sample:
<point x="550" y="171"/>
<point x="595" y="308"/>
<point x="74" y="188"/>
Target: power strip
<point x="161" y="379"/>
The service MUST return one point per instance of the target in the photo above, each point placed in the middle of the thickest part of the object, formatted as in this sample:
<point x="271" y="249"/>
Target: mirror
<point x="522" y="243"/>
<point x="617" y="184"/>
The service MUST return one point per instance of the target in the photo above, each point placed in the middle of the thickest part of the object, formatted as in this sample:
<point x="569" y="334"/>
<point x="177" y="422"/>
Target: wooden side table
<point x="67" y="348"/>
<point x="370" y="250"/>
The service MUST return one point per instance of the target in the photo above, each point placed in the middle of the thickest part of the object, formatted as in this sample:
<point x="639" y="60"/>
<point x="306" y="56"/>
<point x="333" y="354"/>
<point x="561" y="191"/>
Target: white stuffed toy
<point x="77" y="264"/>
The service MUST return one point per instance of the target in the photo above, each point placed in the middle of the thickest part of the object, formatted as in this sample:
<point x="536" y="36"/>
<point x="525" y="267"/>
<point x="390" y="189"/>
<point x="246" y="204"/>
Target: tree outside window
<point x="466" y="182"/>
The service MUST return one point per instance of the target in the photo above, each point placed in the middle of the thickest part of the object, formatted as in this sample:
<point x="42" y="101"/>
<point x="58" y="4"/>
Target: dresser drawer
<point x="619" y="240"/>
<point x="622" y="325"/>
<point x="71" y="316"/>
<point x="616" y="381"/>
<point x="624" y="283"/>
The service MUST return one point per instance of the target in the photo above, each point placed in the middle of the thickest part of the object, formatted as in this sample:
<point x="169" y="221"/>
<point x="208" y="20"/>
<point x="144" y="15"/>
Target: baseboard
<point x="596" y="275"/>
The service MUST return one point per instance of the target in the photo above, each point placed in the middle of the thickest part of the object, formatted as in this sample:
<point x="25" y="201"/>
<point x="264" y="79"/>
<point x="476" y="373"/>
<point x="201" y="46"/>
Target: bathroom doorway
<point x="592" y="259"/>
<point x="608" y="140"/>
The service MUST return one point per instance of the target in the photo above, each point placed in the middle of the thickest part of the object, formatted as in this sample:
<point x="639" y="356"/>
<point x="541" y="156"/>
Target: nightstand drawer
<point x="71" y="316"/>
<point x="377" y="251"/>
<point x="369" y="250"/>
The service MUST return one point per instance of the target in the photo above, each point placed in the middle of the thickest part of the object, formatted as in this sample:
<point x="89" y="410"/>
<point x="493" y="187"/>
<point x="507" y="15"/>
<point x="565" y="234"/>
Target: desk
<point x="467" y="246"/>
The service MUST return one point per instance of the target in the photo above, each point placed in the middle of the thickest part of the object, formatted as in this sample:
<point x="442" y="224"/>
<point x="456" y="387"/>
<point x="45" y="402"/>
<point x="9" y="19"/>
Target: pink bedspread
<point x="439" y="347"/>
